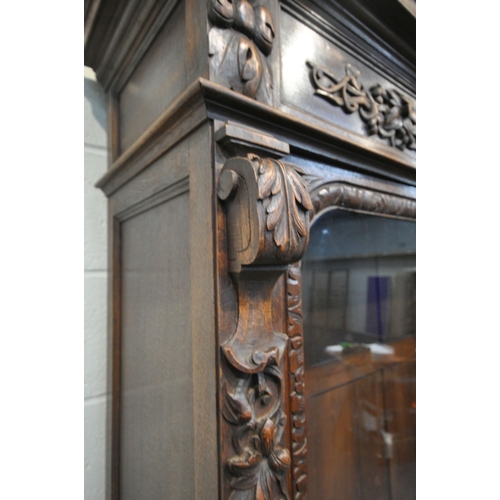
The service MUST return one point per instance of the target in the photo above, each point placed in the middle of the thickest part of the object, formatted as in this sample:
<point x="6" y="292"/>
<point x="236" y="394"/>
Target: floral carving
<point x="240" y="39"/>
<point x="258" y="468"/>
<point x="267" y="209"/>
<point x="387" y="113"/>
<point x="284" y="191"/>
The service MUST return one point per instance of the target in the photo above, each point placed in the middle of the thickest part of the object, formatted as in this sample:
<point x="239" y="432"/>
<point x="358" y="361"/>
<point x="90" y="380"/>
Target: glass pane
<point x="358" y="287"/>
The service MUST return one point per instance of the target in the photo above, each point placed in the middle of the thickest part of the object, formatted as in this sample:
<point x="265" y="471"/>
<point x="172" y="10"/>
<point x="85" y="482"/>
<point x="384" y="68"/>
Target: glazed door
<point x="358" y="287"/>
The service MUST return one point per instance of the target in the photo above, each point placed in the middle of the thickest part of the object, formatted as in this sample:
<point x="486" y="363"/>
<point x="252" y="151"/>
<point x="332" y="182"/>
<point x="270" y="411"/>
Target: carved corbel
<point x="267" y="210"/>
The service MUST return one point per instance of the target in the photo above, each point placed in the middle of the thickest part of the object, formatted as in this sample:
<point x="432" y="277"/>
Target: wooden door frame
<point x="327" y="196"/>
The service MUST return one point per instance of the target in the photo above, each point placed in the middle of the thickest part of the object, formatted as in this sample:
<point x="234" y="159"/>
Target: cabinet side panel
<point x="157" y="81"/>
<point x="157" y="455"/>
<point x="203" y="321"/>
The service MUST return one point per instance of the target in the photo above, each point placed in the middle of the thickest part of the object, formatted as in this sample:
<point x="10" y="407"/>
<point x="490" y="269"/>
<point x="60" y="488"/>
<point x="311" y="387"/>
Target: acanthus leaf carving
<point x="387" y="113"/>
<point x="267" y="219"/>
<point x="285" y="192"/>
<point x="277" y="218"/>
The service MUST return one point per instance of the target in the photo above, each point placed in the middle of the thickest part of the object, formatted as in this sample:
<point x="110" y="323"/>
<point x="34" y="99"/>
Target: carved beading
<point x="363" y="200"/>
<point x="296" y="378"/>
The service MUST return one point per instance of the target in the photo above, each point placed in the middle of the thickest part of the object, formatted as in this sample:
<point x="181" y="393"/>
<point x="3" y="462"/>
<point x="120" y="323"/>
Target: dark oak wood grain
<point x="297" y="383"/>
<point x="156" y="82"/>
<point x="231" y="124"/>
<point x="267" y="218"/>
<point x="156" y="409"/>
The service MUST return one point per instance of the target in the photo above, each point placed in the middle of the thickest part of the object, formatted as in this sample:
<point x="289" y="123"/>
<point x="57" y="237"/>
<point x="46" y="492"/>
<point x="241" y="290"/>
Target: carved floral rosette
<point x="267" y="210"/>
<point x="241" y="38"/>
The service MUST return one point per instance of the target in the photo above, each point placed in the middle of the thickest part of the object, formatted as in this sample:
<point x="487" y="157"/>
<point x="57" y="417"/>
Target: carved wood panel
<point x="387" y="113"/>
<point x="240" y="40"/>
<point x="267" y="212"/>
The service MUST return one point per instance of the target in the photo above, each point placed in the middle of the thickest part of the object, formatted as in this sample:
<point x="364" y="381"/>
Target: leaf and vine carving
<point x="259" y="467"/>
<point x="387" y="113"/>
<point x="267" y="208"/>
<point x="296" y="378"/>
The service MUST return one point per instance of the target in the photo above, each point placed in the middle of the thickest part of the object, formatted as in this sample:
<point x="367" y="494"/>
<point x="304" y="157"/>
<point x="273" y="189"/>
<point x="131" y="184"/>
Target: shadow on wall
<point x="96" y="99"/>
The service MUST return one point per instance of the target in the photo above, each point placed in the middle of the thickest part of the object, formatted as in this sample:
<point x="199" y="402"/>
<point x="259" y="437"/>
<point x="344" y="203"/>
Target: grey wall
<point x="96" y="394"/>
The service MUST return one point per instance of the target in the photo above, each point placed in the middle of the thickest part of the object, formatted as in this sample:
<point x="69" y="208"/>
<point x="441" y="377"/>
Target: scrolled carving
<point x="249" y="66"/>
<point x="364" y="200"/>
<point x="267" y="219"/>
<point x="240" y="39"/>
<point x="276" y="230"/>
<point x="387" y="113"/>
<point x="260" y="464"/>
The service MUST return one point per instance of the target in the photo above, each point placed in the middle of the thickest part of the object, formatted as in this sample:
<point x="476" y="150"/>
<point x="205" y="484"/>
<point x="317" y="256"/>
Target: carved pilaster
<point x="267" y="210"/>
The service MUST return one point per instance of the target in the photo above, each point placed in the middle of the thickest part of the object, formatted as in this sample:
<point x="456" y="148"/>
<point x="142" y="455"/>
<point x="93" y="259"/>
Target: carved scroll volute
<point x="268" y="216"/>
<point x="267" y="220"/>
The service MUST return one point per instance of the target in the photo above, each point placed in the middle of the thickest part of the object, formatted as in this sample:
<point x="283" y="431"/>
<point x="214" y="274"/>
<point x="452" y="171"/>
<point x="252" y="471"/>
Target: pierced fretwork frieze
<point x="387" y="113"/>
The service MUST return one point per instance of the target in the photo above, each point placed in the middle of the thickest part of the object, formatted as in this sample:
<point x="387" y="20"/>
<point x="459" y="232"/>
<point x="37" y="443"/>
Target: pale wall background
<point x="96" y="393"/>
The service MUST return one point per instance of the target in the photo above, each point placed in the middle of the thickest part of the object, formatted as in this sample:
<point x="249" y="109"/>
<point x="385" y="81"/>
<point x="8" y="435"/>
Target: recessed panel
<point x="158" y="79"/>
<point x="156" y="454"/>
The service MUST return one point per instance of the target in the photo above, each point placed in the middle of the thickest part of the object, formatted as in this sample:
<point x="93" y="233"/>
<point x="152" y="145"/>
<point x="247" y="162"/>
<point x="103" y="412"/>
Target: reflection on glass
<point x="358" y="287"/>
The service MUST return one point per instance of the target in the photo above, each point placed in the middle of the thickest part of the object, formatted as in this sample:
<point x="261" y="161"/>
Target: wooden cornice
<point x="204" y="100"/>
<point x="118" y="33"/>
<point x="385" y="29"/>
<point x="323" y="139"/>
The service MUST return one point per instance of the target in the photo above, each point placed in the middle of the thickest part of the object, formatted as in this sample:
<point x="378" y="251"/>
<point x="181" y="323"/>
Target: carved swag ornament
<point x="386" y="113"/>
<point x="267" y="217"/>
<point x="241" y="38"/>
